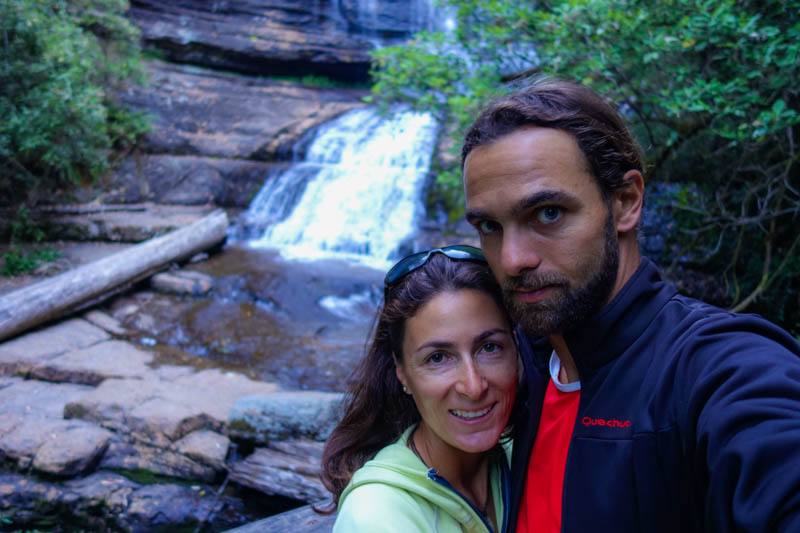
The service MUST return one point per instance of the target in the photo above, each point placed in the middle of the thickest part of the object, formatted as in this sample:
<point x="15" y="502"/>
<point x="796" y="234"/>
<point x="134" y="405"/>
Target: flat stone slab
<point x="135" y="223"/>
<point x="19" y="355"/>
<point x="38" y="399"/>
<point x="161" y="411"/>
<point x="92" y="365"/>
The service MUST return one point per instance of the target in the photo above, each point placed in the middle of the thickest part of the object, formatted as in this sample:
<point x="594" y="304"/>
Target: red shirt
<point x="540" y="509"/>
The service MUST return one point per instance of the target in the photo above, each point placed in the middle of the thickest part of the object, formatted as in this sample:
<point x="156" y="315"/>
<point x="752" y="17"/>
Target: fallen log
<point x="48" y="299"/>
<point x="300" y="520"/>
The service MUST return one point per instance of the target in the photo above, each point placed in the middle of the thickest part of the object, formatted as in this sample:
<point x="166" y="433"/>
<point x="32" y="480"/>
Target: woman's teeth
<point x="470" y="414"/>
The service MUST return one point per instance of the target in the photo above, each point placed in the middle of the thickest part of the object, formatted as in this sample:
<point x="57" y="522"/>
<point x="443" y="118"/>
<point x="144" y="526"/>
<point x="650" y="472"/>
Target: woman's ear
<point x="401" y="377"/>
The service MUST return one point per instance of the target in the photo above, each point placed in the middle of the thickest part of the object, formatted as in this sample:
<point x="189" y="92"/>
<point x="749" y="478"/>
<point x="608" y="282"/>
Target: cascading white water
<point x="357" y="192"/>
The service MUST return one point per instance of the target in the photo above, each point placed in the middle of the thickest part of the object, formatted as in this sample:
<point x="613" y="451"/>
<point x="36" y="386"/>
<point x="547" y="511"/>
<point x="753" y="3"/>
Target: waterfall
<point x="357" y="192"/>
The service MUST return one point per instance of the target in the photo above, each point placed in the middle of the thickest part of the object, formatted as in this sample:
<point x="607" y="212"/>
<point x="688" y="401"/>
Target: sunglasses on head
<point x="459" y="252"/>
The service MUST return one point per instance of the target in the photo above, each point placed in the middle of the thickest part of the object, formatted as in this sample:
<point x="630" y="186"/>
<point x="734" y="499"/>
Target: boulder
<point x="206" y="447"/>
<point x="187" y="282"/>
<point x="71" y="448"/>
<point x="285" y="415"/>
<point x="105" y="321"/>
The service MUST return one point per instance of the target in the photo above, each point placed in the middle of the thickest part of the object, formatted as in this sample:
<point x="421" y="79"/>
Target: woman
<point x="417" y="449"/>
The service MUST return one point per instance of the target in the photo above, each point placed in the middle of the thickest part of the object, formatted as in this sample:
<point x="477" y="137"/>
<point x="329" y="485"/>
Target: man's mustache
<point x="533" y="281"/>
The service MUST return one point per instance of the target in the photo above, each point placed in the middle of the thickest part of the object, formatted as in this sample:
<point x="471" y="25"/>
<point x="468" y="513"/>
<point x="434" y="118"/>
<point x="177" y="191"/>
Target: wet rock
<point x="292" y="471"/>
<point x="155" y="506"/>
<point x="106" y="501"/>
<point x="71" y="448"/>
<point x="90" y="366"/>
<point x="256" y="36"/>
<point x="208" y="114"/>
<point x="123" y="455"/>
<point x="189" y="179"/>
<point x="18" y="355"/>
<point x="187" y="282"/>
<point x="285" y="415"/>
<point x="207" y="447"/>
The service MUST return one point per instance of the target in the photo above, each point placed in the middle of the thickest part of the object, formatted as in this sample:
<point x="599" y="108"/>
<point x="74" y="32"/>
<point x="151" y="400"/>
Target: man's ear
<point x="627" y="201"/>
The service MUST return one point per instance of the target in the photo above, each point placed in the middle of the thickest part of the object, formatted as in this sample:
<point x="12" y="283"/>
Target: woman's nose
<point x="470" y="381"/>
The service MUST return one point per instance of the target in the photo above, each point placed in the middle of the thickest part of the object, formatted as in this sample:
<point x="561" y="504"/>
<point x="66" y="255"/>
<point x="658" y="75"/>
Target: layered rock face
<point x="279" y="37"/>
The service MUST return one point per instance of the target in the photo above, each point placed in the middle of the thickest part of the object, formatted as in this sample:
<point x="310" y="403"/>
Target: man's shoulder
<point x="686" y="326"/>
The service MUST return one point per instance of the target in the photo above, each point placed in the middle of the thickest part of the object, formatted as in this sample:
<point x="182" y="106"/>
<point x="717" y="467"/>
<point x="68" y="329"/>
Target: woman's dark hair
<point x="377" y="410"/>
<point x="601" y="133"/>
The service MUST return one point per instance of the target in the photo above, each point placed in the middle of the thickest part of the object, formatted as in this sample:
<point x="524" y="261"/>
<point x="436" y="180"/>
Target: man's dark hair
<point x="601" y="133"/>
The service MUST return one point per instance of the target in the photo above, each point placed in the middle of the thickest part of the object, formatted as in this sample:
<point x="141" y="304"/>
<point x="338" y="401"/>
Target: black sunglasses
<point x="408" y="264"/>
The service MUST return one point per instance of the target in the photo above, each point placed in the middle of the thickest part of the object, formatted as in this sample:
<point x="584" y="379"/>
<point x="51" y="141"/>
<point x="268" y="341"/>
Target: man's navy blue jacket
<point x="689" y="418"/>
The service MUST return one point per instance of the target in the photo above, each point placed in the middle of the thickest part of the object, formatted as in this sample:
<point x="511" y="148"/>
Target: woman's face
<point x="460" y="364"/>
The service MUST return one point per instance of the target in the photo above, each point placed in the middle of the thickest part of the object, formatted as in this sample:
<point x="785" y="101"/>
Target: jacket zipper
<point x="504" y="490"/>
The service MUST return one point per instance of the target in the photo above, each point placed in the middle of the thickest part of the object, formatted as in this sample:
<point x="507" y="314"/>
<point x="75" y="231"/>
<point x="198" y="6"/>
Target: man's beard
<point x="570" y="306"/>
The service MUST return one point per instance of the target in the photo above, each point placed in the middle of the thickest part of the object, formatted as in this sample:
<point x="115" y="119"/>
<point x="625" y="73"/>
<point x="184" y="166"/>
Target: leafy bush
<point x="21" y="258"/>
<point x="711" y="88"/>
<point x="60" y="65"/>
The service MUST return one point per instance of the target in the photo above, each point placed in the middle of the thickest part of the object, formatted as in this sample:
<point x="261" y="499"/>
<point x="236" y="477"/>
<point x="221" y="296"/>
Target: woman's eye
<point x="488" y="226"/>
<point x="436" y="357"/>
<point x="549" y="214"/>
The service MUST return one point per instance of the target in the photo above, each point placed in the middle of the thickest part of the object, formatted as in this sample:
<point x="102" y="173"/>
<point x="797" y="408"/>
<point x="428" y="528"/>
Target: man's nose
<point x="470" y="381"/>
<point x="517" y="254"/>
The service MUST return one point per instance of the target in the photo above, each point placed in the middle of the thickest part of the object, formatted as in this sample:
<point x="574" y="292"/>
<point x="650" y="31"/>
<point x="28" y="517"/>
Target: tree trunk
<point x="49" y="299"/>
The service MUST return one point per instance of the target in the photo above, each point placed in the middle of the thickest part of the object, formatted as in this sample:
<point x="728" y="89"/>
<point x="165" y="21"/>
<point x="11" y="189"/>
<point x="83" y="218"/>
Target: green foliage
<point x="60" y="65"/>
<point x="711" y="88"/>
<point x="20" y="258"/>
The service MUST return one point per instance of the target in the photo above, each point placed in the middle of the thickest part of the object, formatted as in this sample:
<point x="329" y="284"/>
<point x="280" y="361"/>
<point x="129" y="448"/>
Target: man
<point x="645" y="410"/>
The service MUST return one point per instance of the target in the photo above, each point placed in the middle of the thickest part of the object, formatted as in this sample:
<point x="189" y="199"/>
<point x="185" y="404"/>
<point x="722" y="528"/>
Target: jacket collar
<point x="608" y="333"/>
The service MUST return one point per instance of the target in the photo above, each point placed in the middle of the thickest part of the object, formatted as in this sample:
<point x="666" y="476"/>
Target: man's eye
<point x="488" y="226"/>
<point x="549" y="214"/>
<point x="491" y="347"/>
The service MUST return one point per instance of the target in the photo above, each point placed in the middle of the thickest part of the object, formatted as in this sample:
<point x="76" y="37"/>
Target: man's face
<point x="544" y="226"/>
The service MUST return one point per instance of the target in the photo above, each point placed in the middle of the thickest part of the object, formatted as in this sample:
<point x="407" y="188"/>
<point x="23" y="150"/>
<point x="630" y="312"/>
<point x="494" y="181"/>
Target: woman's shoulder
<point x="378" y="507"/>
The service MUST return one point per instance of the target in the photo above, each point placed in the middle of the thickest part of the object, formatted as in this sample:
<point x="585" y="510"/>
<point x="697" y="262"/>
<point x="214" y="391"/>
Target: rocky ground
<point x="84" y="414"/>
<point x="101" y="430"/>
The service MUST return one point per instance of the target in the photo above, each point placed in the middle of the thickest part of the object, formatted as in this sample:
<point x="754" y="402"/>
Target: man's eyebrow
<point x="476" y="214"/>
<point x="523" y="205"/>
<point x="541" y="197"/>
